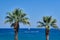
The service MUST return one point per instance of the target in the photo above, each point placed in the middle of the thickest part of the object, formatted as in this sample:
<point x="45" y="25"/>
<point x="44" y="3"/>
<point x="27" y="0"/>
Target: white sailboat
<point x="29" y="28"/>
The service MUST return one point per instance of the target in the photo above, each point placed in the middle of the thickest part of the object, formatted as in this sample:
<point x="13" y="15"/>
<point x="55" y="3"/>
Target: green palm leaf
<point x="47" y="22"/>
<point x="17" y="16"/>
<point x="41" y="24"/>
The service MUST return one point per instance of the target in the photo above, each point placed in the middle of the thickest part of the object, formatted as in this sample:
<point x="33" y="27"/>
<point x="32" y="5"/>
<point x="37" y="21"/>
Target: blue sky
<point x="35" y="10"/>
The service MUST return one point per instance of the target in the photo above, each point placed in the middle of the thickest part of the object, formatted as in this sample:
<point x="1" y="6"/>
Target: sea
<point x="29" y="34"/>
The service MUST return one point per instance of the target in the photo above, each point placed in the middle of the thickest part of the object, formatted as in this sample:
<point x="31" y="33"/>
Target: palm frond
<point x="44" y="19"/>
<point x="12" y="25"/>
<point x="10" y="14"/>
<point x="8" y="17"/>
<point x="41" y="24"/>
<point x="54" y="25"/>
<point x="53" y="21"/>
<point x="49" y="19"/>
<point x="9" y="20"/>
<point x="16" y="12"/>
<point x="23" y="15"/>
<point x="25" y="21"/>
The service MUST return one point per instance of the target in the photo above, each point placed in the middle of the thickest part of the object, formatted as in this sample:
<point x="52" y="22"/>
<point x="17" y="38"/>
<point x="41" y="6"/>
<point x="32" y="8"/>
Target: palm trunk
<point x="16" y="28"/>
<point x="16" y="35"/>
<point x="47" y="34"/>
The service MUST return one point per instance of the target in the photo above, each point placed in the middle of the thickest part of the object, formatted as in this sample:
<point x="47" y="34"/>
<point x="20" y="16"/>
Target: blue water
<point x="32" y="34"/>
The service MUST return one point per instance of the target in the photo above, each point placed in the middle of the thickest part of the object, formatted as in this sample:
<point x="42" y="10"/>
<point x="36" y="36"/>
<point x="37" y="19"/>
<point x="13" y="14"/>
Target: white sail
<point x="29" y="28"/>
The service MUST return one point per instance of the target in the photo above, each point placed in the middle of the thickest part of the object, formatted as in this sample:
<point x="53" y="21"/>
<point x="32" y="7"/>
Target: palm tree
<point x="47" y="22"/>
<point x="14" y="18"/>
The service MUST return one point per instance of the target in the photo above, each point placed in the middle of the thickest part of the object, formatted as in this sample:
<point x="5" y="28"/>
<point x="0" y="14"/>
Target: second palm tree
<point x="47" y="22"/>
